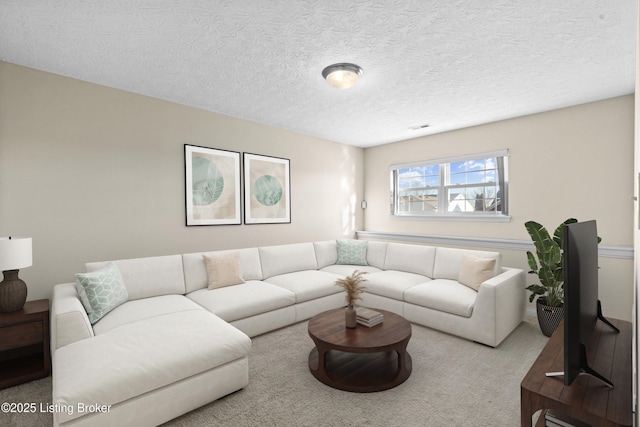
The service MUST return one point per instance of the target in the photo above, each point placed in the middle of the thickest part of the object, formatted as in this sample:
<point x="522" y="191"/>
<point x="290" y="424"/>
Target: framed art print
<point x="213" y="191"/>
<point x="267" y="193"/>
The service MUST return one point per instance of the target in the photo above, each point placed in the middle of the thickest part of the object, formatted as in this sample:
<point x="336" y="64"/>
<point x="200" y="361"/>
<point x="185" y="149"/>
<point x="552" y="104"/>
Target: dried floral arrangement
<point x="351" y="284"/>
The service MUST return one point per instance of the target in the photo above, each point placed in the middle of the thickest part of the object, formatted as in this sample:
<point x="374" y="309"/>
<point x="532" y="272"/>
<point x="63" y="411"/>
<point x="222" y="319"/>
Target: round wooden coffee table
<point x="361" y="359"/>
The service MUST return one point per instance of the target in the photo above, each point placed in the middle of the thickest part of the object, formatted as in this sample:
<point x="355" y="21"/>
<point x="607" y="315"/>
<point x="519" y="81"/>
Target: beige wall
<point x="573" y="162"/>
<point x="92" y="173"/>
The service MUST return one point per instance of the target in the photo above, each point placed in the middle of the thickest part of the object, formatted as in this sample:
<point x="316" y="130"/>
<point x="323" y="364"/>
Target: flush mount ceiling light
<point x="342" y="75"/>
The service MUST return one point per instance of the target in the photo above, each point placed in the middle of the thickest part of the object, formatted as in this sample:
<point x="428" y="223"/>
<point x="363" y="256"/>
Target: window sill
<point x="455" y="218"/>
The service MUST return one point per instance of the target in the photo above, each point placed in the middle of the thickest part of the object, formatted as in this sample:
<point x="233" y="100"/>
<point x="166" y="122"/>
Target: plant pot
<point x="548" y="317"/>
<point x="350" y="316"/>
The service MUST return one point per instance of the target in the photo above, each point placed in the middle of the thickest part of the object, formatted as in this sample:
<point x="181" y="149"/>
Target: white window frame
<point x="443" y="187"/>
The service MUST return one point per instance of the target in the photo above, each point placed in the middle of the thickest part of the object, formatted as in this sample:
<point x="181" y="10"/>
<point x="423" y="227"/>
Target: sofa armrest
<point x="506" y="294"/>
<point x="508" y="277"/>
<point x="69" y="320"/>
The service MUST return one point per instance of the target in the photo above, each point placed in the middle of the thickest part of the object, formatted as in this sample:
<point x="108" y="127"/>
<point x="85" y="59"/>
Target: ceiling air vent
<point x="426" y="125"/>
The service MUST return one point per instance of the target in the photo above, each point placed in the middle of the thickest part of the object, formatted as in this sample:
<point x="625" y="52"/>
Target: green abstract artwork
<point x="208" y="182"/>
<point x="212" y="186"/>
<point x="267" y="190"/>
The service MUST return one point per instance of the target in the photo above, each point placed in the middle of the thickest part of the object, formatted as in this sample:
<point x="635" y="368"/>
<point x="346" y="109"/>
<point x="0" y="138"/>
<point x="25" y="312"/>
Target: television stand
<point x="604" y="319"/>
<point x="584" y="368"/>
<point x="586" y="400"/>
<point x="584" y="364"/>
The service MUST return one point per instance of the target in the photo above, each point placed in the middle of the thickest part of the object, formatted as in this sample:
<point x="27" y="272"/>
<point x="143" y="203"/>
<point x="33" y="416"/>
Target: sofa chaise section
<point x="149" y="360"/>
<point x="138" y="368"/>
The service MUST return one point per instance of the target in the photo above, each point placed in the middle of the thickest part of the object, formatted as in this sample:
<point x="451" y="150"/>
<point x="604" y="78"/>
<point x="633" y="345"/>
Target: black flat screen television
<point x="582" y="308"/>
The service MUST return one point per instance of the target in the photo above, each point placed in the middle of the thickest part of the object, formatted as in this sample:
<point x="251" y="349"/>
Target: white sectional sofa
<point x="175" y="344"/>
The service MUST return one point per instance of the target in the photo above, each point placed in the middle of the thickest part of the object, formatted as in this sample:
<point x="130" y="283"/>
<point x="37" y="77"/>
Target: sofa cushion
<point x="448" y="261"/>
<point x="144" y="308"/>
<point x="308" y="284"/>
<point x="240" y="301"/>
<point x="283" y="259"/>
<point x="352" y="252"/>
<point x="443" y="295"/>
<point x="149" y="277"/>
<point x="391" y="283"/>
<point x="376" y="254"/>
<point x="195" y="271"/>
<point x="347" y="270"/>
<point x="104" y="290"/>
<point x="475" y="270"/>
<point x="223" y="269"/>
<point x="410" y="258"/>
<point x="326" y="253"/>
<point x="143" y="356"/>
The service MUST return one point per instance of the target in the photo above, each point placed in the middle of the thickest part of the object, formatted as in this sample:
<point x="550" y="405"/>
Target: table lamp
<point x="15" y="253"/>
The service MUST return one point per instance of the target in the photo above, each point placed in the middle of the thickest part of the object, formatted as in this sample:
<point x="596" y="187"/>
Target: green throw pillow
<point x="352" y="252"/>
<point x="82" y="294"/>
<point x="104" y="290"/>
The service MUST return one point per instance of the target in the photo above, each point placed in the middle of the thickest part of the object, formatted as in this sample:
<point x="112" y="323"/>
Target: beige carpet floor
<point x="454" y="382"/>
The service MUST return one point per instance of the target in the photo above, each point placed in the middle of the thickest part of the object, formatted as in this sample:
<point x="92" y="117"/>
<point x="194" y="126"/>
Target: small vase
<point x="350" y="316"/>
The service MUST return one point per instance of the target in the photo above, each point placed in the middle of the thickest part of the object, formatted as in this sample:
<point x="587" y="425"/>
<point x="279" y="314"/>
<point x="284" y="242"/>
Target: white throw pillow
<point x="475" y="270"/>
<point x="223" y="269"/>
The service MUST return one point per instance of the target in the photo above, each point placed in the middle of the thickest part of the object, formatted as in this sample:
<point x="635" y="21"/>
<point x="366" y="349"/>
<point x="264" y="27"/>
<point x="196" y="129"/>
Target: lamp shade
<point x="15" y="253"/>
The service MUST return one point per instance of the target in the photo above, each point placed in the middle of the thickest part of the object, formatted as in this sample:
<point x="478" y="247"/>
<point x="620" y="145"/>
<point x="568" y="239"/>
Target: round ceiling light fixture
<point x="342" y="75"/>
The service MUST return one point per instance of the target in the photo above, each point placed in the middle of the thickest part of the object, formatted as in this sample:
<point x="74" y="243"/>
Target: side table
<point x="24" y="344"/>
<point x="587" y="399"/>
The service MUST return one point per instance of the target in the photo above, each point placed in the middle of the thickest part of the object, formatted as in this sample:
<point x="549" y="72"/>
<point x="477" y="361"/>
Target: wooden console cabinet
<point x="587" y="399"/>
<point x="24" y="344"/>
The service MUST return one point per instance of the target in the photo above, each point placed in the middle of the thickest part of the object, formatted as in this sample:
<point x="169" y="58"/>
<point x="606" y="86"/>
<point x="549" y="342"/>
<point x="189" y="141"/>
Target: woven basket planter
<point x="548" y="317"/>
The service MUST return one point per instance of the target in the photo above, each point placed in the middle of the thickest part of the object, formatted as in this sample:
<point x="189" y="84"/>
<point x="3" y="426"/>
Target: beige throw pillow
<point x="223" y="269"/>
<point x="475" y="270"/>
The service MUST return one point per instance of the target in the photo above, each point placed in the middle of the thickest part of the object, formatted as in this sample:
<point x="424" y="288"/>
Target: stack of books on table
<point x="367" y="317"/>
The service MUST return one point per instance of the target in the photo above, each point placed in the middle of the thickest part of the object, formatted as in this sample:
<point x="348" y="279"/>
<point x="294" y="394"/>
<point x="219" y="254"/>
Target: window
<point x="469" y="187"/>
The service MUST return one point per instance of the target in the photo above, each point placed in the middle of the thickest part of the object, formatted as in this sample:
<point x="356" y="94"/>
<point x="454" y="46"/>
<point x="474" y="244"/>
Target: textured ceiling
<point x="448" y="63"/>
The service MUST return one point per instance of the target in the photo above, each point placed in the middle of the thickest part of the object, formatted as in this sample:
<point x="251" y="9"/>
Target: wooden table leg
<point x="525" y="408"/>
<point x="404" y="360"/>
<point x="318" y="362"/>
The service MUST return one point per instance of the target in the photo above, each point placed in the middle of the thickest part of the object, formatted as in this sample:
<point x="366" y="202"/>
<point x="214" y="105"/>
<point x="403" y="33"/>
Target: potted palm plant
<point x="549" y="268"/>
